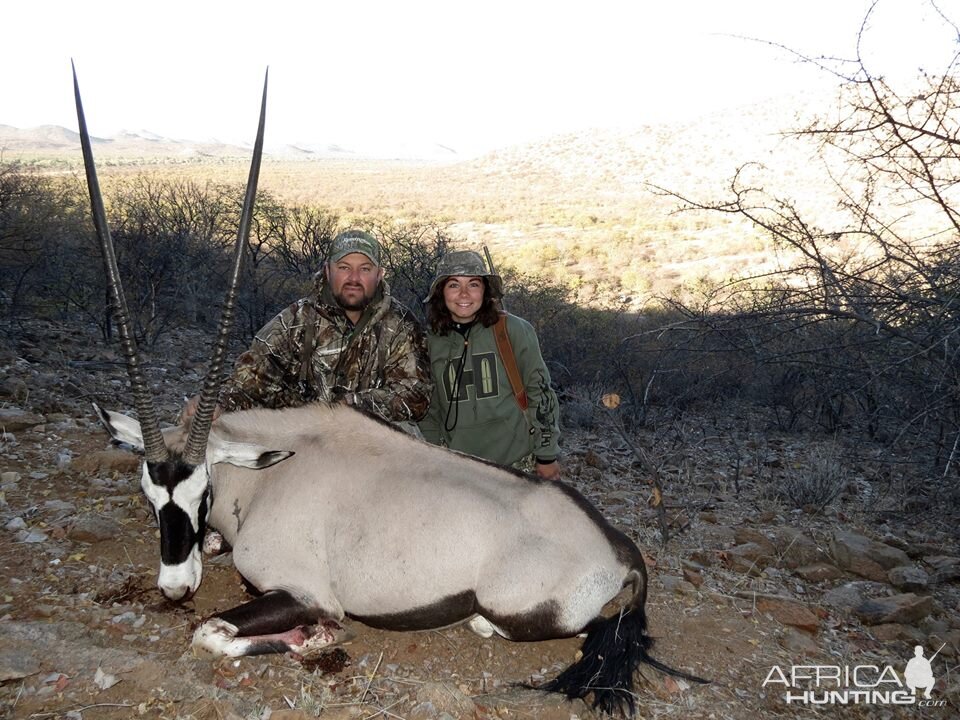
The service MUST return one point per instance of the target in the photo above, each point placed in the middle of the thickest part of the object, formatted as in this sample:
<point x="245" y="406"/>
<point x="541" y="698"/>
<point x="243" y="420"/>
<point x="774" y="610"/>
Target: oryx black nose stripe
<point x="177" y="536"/>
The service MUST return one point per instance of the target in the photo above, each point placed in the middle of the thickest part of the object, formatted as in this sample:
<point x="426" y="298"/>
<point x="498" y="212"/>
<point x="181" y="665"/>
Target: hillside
<point x="52" y="145"/>
<point x="580" y="208"/>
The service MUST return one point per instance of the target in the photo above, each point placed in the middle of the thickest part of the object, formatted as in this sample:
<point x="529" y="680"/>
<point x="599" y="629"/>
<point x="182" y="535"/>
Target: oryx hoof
<point x="481" y="626"/>
<point x="215" y="638"/>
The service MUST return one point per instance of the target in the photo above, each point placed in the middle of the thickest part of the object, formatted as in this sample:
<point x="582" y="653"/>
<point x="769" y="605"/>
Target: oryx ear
<point x="121" y="428"/>
<point x="246" y="455"/>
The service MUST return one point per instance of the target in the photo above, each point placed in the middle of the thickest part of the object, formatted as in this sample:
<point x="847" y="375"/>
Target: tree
<point x="304" y="242"/>
<point x="411" y="253"/>
<point x="172" y="239"/>
<point x="39" y="220"/>
<point x="865" y="316"/>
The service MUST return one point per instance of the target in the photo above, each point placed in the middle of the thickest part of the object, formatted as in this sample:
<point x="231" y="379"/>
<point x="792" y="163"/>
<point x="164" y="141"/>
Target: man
<point x="349" y="342"/>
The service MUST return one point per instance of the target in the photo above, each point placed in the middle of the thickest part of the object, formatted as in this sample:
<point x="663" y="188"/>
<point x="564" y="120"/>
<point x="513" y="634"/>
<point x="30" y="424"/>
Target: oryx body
<point x="333" y="513"/>
<point x="366" y="521"/>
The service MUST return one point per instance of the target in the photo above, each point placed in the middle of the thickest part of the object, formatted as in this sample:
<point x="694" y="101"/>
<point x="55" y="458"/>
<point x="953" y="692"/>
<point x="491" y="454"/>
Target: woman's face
<point x="463" y="296"/>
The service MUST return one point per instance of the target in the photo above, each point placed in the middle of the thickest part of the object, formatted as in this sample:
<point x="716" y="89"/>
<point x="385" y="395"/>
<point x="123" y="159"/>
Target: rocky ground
<point x="746" y="583"/>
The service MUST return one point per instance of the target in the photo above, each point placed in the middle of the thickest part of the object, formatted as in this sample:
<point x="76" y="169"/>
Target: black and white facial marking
<point x="180" y="496"/>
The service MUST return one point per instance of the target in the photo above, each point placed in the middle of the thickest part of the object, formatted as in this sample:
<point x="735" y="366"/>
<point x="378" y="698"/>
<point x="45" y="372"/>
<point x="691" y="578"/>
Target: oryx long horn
<point x="154" y="447"/>
<point x="196" y="446"/>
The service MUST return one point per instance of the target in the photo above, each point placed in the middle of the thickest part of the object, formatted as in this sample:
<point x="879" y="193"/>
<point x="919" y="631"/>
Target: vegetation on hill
<point x="577" y="208"/>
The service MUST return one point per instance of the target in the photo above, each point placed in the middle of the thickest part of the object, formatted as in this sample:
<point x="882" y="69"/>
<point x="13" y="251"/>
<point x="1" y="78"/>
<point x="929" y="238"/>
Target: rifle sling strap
<point x="510" y="361"/>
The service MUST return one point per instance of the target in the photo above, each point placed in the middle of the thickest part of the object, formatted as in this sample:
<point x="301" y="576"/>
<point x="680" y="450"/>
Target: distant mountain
<point x="38" y="139"/>
<point x="53" y="140"/>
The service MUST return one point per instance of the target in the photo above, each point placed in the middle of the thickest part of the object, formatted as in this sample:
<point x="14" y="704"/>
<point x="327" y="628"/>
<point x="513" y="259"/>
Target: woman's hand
<point x="548" y="471"/>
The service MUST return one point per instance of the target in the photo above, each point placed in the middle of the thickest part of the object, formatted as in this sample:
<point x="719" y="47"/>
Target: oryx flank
<point x="333" y="513"/>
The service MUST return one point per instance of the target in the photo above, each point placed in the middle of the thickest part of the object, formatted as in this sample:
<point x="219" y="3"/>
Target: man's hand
<point x="190" y="409"/>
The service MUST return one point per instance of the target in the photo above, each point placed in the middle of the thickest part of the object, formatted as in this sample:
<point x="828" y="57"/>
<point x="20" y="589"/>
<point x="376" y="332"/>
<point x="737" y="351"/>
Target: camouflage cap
<point x="354" y="241"/>
<point x="466" y="263"/>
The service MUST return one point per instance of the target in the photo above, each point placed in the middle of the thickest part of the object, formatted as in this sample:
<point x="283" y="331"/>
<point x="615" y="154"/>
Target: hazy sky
<point x="468" y="75"/>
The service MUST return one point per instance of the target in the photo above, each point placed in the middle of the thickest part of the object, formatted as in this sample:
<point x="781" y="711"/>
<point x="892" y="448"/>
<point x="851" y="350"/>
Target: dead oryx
<point x="332" y="513"/>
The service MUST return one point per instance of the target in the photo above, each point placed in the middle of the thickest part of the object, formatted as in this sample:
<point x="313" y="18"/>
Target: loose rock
<point x="852" y="551"/>
<point x="819" y="572"/>
<point x="13" y="419"/>
<point x="909" y="578"/>
<point x="94" y="528"/>
<point x="906" y="609"/>
<point x="790" y="613"/>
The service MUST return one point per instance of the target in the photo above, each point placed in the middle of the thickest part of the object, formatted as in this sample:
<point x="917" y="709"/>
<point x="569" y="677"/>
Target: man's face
<point x="353" y="280"/>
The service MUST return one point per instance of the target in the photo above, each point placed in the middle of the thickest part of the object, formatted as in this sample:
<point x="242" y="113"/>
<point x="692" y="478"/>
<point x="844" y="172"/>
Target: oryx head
<point x="179" y="493"/>
<point x="175" y="483"/>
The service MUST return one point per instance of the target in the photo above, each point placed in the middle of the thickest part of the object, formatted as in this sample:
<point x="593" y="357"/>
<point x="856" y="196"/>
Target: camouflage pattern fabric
<point x="527" y="464"/>
<point x="465" y="263"/>
<point x="380" y="365"/>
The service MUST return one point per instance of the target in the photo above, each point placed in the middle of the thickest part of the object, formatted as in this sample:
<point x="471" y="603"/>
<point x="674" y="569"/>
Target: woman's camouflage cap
<point x="466" y="263"/>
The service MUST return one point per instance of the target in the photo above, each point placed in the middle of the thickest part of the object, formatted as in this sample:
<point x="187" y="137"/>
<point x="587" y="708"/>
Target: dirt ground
<point x="84" y="632"/>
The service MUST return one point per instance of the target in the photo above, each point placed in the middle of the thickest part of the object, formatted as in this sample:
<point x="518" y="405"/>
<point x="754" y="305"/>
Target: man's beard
<point x="359" y="304"/>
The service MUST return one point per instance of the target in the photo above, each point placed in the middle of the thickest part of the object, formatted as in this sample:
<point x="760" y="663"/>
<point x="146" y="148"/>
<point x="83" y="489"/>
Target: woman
<point x="474" y="408"/>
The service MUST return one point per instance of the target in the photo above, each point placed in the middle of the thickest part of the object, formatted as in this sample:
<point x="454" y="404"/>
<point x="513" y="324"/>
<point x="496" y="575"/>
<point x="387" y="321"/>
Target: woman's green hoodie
<point x="484" y="418"/>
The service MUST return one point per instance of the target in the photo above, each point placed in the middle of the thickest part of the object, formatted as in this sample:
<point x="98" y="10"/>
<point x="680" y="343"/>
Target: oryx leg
<point x="275" y="622"/>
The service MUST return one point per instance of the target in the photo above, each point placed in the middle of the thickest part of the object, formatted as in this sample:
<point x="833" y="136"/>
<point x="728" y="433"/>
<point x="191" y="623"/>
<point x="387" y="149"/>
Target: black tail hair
<point x="614" y="649"/>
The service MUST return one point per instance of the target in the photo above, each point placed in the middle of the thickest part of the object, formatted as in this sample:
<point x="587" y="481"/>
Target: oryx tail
<point x="613" y="650"/>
